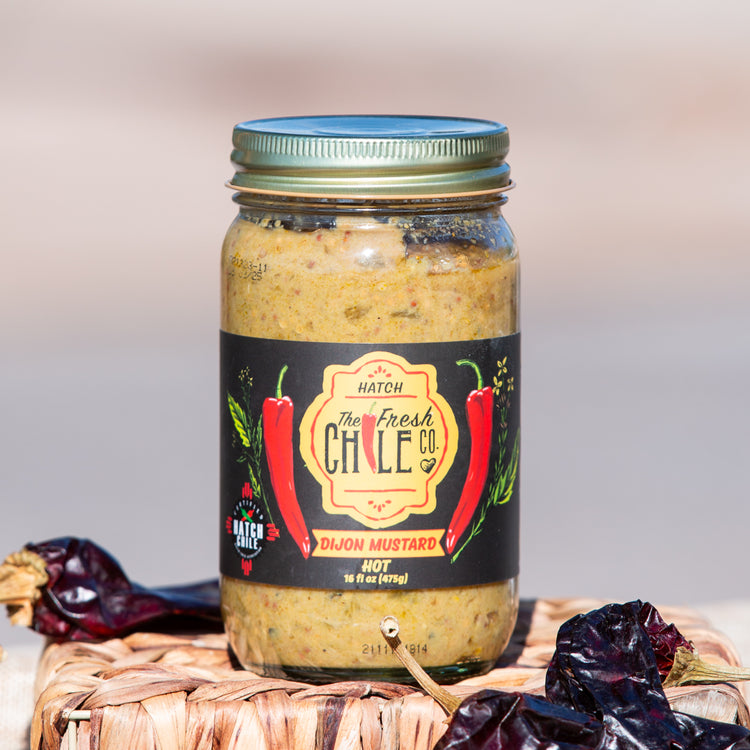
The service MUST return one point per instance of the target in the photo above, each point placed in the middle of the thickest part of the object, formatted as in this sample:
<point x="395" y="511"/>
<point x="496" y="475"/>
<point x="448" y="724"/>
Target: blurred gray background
<point x="629" y="130"/>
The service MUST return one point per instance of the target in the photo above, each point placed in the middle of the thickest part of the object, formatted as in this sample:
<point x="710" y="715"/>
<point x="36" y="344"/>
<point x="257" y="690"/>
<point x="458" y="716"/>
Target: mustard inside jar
<point x="369" y="397"/>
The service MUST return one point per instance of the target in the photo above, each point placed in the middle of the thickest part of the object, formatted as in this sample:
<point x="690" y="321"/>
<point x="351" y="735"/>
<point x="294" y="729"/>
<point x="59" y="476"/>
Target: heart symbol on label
<point x="426" y="465"/>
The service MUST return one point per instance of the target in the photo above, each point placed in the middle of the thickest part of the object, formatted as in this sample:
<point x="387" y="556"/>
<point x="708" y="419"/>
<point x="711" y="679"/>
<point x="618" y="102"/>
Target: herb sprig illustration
<point x="249" y="435"/>
<point x="505" y="470"/>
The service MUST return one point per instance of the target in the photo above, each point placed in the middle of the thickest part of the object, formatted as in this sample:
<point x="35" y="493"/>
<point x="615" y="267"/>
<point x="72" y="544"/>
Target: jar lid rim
<point x="376" y="155"/>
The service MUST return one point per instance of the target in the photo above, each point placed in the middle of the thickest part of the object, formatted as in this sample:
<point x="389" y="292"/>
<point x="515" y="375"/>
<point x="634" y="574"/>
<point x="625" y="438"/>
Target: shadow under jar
<point x="369" y="407"/>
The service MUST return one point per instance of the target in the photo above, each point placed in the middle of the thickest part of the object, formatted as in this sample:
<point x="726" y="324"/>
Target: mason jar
<point x="369" y="397"/>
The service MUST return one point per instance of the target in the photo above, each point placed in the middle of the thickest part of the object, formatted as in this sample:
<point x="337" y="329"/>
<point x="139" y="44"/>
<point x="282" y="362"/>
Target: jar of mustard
<point x="369" y="397"/>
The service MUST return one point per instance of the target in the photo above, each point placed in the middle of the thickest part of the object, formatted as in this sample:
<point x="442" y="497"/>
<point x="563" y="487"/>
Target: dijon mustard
<point x="369" y="397"/>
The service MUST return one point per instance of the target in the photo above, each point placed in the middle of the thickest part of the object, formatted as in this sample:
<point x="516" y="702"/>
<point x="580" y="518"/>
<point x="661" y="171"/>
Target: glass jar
<point x="369" y="397"/>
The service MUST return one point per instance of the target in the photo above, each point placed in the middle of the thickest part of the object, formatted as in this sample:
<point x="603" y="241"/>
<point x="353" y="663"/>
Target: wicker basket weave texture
<point x="157" y="691"/>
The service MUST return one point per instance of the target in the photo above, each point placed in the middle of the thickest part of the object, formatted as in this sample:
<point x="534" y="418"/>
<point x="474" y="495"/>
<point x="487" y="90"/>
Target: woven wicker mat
<point x="155" y="691"/>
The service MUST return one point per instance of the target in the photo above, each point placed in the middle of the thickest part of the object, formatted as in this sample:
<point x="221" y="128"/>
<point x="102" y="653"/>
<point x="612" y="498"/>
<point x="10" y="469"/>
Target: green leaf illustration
<point x="240" y="422"/>
<point x="500" y="490"/>
<point x="250" y="433"/>
<point x="508" y="480"/>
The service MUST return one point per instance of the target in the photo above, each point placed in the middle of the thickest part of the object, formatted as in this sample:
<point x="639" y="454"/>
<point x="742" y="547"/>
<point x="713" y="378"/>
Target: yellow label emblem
<point x="379" y="439"/>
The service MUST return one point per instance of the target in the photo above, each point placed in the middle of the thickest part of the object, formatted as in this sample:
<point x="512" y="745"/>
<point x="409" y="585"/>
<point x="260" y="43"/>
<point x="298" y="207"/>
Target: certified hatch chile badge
<point x="365" y="468"/>
<point x="248" y="529"/>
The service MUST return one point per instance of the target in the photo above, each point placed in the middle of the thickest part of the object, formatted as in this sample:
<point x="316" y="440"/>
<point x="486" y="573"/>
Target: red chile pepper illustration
<point x="277" y="436"/>
<point x="479" y="405"/>
<point x="368" y="438"/>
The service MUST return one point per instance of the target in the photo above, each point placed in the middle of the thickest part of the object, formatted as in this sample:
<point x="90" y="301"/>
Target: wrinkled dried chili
<point x="665" y="639"/>
<point x="72" y="589"/>
<point x="603" y="690"/>
<point x="479" y="405"/>
<point x="605" y="666"/>
<point x="494" y="720"/>
<point x="277" y="438"/>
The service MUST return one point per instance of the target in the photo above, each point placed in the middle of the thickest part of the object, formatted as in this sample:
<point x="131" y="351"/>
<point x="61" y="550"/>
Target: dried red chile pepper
<point x="605" y="678"/>
<point x="479" y="405"/>
<point x="604" y="666"/>
<point x="88" y="596"/>
<point x="493" y="720"/>
<point x="277" y="437"/>
<point x="665" y="639"/>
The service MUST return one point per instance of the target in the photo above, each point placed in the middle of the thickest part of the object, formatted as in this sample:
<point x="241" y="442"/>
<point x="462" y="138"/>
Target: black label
<point x="366" y="466"/>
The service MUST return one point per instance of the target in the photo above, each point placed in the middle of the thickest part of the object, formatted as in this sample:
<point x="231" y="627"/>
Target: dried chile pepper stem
<point x="277" y="438"/>
<point x="368" y="437"/>
<point x="389" y="628"/>
<point x="479" y="404"/>
<point x="72" y="589"/>
<point x="23" y="575"/>
<point x="690" y="669"/>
